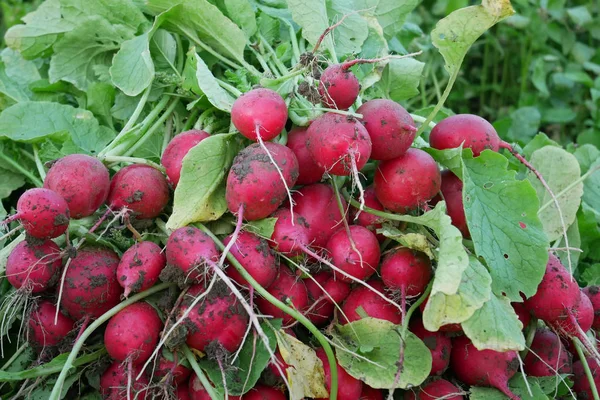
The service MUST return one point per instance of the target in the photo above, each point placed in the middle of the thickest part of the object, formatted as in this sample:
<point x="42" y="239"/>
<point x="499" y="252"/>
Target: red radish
<point x="262" y="392"/>
<point x="310" y="172"/>
<point x="140" y="267"/>
<point x="287" y="286"/>
<point x="182" y="391"/>
<point x="217" y="317"/>
<point x="133" y="333"/>
<point x="576" y="320"/>
<point x="83" y="182"/>
<point x="406" y="270"/>
<point x="256" y="257"/>
<point x="370" y="221"/>
<point x="318" y="205"/>
<point x="360" y="260"/>
<point x="593" y="293"/>
<point x="43" y="332"/>
<point x="197" y="391"/>
<point x="483" y="367"/>
<point x="114" y="383"/>
<point x="261" y="110"/>
<point x="451" y="189"/>
<point x="167" y="366"/>
<point x="581" y="383"/>
<point x="523" y="313"/>
<point x="43" y="213"/>
<point x="368" y="393"/>
<point x="468" y="130"/>
<point x="339" y="144"/>
<point x="438" y="389"/>
<point x="91" y="287"/>
<point x="289" y="238"/>
<point x="547" y="355"/>
<point x="349" y="388"/>
<point x="438" y="343"/>
<point x="390" y="126"/>
<point x="178" y="147"/>
<point x="141" y="189"/>
<point x="35" y="266"/>
<point x="338" y="87"/>
<point x="191" y="250"/>
<point x="322" y="304"/>
<point x="373" y="305"/>
<point x="254" y="181"/>
<point x="408" y="182"/>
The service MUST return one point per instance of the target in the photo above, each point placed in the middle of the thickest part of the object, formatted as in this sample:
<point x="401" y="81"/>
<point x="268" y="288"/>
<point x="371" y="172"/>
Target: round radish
<point x="438" y="389"/>
<point x="133" y="333"/>
<point x="256" y="257"/>
<point x="468" y="130"/>
<point x="35" y="266"/>
<point x="262" y="392"/>
<point x="339" y="144"/>
<point x="522" y="312"/>
<point x="360" y="260"/>
<point x="141" y="189"/>
<point x="91" y="287"/>
<point x="406" y="270"/>
<point x="406" y="183"/>
<point x="372" y="304"/>
<point x="483" y="367"/>
<point x="167" y="366"/>
<point x="43" y="213"/>
<point x="191" y="250"/>
<point x="114" y="383"/>
<point x="349" y="388"/>
<point x="391" y="128"/>
<point x="310" y="172"/>
<point x="288" y="238"/>
<point x="451" y="189"/>
<point x="576" y="320"/>
<point x="43" y="332"/>
<point x="547" y="356"/>
<point x="72" y="173"/>
<point x="182" y="391"/>
<point x="261" y="110"/>
<point x="368" y="393"/>
<point x="581" y="383"/>
<point x="217" y="317"/>
<point x="287" y="286"/>
<point x="140" y="267"/>
<point x="338" y="87"/>
<point x="178" y="147"/>
<point x="438" y="343"/>
<point x="370" y="221"/>
<point x="323" y="297"/>
<point x="254" y="181"/>
<point x="593" y="293"/>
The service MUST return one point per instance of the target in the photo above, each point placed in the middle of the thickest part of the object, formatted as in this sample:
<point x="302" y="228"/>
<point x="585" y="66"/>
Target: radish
<point x="83" y="182"/>
<point x="91" y="287"/>
<point x="254" y="181"/>
<point x="256" y="257"/>
<point x="317" y="204"/>
<point x="438" y="343"/>
<point x="370" y="221"/>
<point x="287" y="287"/>
<point x="34" y="267"/>
<point x="522" y="312"/>
<point x="368" y="393"/>
<point x="577" y="320"/>
<point x="356" y="253"/>
<point x="168" y="366"/>
<point x="289" y="237"/>
<point x="117" y="383"/>
<point x="408" y="182"/>
<point x="547" y="355"/>
<point x="218" y="317"/>
<point x="132" y="334"/>
<point x="468" y="130"/>
<point x="191" y="250"/>
<point x="310" y="172"/>
<point x="438" y="389"/>
<point x="182" y="391"/>
<point x="43" y="332"/>
<point x="43" y="213"/>
<point x="259" y="112"/>
<point x="139" y="188"/>
<point x="451" y="189"/>
<point x="391" y="128"/>
<point x="373" y="305"/>
<point x="339" y="144"/>
<point x="176" y="150"/>
<point x="140" y="267"/>
<point x="581" y="383"/>
<point x="349" y="388"/>
<point x="483" y="367"/>
<point x="593" y="293"/>
<point x="323" y="297"/>
<point x="338" y="87"/>
<point x="262" y="392"/>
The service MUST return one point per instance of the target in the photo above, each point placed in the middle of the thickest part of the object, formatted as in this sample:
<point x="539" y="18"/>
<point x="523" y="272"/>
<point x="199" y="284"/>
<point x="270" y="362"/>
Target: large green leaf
<point x="132" y="68"/>
<point x="352" y="33"/>
<point x="390" y="14"/>
<point x="16" y="74"/>
<point x="9" y="182"/>
<point x="242" y="13"/>
<point x="312" y="17"/>
<point x="117" y="12"/>
<point x="502" y="217"/>
<point x="208" y="84"/>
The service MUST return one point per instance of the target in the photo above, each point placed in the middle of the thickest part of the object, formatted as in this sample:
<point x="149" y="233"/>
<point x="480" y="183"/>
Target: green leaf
<point x="16" y="74"/>
<point x="262" y="227"/>
<point x="100" y="97"/>
<point x="560" y="169"/>
<point x="574" y="237"/>
<point x="9" y="182"/>
<point x="586" y="155"/>
<point x="579" y="15"/>
<point x="349" y="37"/>
<point x="415" y="241"/>
<point x="502" y="218"/>
<point x="401" y="78"/>
<point x="540" y="140"/>
<point x="132" y="68"/>
<point x="33" y="121"/>
<point x="450" y="158"/>
<point x="475" y="289"/>
<point x="91" y="43"/>
<point x="380" y="368"/>
<point x="163" y="48"/>
<point x="200" y="193"/>
<point x="242" y="13"/>
<point x="209" y="85"/>
<point x="117" y="12"/>
<point x="390" y="14"/>
<point x="543" y="388"/>
<point x="312" y="17"/>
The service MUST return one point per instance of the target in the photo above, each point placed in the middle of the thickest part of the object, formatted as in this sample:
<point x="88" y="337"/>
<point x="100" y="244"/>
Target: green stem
<point x="231" y="89"/>
<point x="180" y="53"/>
<point x="191" y="119"/>
<point x="294" y="39"/>
<point x="529" y="336"/>
<point x="414" y="307"/>
<point x="282" y="68"/>
<point x="273" y="67"/>
<point x="38" y="162"/>
<point x="286" y="309"/>
<point x="69" y="363"/>
<point x="287" y="77"/>
<point x="203" y="379"/>
<point x="133" y="160"/>
<point x="261" y="61"/>
<point x="168" y="135"/>
<point x="32" y="178"/>
<point x="216" y="54"/>
<point x="152" y="129"/>
<point x="15" y="356"/>
<point x="332" y="110"/>
<point x="586" y="368"/>
<point x="421" y="120"/>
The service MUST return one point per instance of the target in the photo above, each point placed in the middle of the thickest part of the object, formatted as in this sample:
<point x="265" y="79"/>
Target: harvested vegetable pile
<point x="228" y="200"/>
